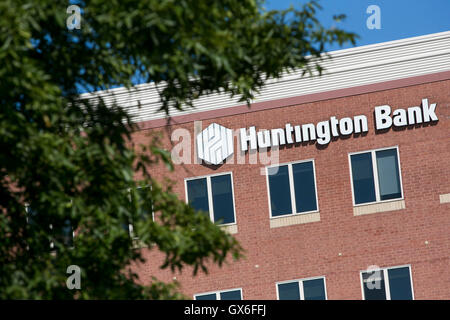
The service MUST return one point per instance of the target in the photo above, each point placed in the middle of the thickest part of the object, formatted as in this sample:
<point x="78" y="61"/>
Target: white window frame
<point x="386" y="280"/>
<point x="217" y="293"/>
<point x="375" y="176"/>
<point x="209" y="191"/>
<point x="291" y="188"/>
<point x="300" y="286"/>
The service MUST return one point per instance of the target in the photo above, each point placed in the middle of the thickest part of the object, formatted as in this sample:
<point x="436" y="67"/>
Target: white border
<point x="300" y="286"/>
<point x="291" y="186"/>
<point x="375" y="176"/>
<point x="217" y="293"/>
<point x="209" y="191"/>
<point x="386" y="280"/>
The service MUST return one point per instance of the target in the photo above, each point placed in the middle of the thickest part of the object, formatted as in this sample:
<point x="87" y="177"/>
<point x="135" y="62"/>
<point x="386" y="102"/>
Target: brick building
<point x="347" y="183"/>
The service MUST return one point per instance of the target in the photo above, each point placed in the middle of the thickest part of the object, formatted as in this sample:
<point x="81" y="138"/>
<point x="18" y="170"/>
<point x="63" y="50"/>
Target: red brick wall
<point x="306" y="250"/>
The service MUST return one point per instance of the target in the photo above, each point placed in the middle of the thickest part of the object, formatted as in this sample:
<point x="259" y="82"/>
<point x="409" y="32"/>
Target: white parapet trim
<point x="349" y="68"/>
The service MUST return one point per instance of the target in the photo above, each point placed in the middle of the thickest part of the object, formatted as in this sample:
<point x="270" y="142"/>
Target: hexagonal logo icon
<point x="215" y="144"/>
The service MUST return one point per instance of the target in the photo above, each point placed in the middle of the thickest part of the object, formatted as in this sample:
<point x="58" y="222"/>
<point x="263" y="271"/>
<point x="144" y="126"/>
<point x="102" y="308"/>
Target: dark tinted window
<point x="143" y="198"/>
<point x="374" y="288"/>
<point x="304" y="187"/>
<point x="314" y="289"/>
<point x="231" y="295"/>
<point x="64" y="233"/>
<point x="126" y="227"/>
<point x="198" y="194"/>
<point x="31" y="215"/>
<point x="288" y="291"/>
<point x="388" y="174"/>
<point x="362" y="172"/>
<point x="222" y="195"/>
<point x="400" y="284"/>
<point x="60" y="231"/>
<point x="146" y="202"/>
<point x="210" y="296"/>
<point x="280" y="194"/>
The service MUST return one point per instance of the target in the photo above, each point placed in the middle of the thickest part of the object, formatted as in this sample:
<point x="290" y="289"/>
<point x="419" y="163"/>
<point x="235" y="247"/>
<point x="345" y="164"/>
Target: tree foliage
<point x="70" y="160"/>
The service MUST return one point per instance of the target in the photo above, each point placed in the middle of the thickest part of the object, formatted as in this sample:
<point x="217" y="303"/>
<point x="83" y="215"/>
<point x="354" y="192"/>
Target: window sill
<point x="444" y="198"/>
<point x="230" y="228"/>
<point x="294" y="219"/>
<point x="379" y="207"/>
<point x="138" y="244"/>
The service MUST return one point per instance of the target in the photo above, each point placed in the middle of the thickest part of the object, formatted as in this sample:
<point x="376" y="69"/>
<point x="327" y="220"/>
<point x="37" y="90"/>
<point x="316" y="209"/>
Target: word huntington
<point x="322" y="132"/>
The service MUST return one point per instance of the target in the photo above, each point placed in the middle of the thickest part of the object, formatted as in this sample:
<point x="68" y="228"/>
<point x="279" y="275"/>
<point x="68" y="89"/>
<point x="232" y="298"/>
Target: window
<point x="214" y="196"/>
<point x="63" y="233"/>
<point x="234" y="294"/>
<point x="144" y="194"/>
<point x="292" y="188"/>
<point x="387" y="284"/>
<point x="305" y="289"/>
<point x="375" y="176"/>
<point x="146" y="206"/>
<point x="60" y="231"/>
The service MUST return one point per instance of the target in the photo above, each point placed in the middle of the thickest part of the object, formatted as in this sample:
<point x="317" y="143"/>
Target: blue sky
<point x="399" y="18"/>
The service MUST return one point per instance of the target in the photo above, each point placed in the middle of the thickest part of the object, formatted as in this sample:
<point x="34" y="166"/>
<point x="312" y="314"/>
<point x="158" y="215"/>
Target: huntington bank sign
<point x="215" y="143"/>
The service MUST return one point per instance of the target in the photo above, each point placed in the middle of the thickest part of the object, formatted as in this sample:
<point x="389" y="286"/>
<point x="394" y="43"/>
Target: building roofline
<point x="326" y="95"/>
<point x="360" y="69"/>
